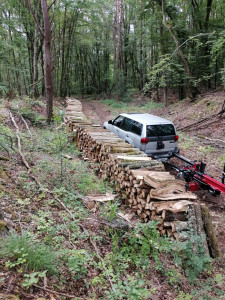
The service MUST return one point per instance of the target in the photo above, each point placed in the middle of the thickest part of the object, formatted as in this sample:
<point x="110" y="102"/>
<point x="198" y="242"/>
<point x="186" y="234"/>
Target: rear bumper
<point x="167" y="154"/>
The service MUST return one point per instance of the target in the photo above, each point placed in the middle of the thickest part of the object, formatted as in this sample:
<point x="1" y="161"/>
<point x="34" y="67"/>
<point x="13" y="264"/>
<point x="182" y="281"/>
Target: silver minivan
<point x="156" y="136"/>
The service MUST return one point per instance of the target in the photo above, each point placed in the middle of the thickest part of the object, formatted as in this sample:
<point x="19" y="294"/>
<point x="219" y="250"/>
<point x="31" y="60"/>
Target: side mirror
<point x="110" y="122"/>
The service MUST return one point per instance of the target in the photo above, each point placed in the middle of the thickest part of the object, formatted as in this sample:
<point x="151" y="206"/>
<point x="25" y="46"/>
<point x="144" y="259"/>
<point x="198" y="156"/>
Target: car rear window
<point x="160" y="130"/>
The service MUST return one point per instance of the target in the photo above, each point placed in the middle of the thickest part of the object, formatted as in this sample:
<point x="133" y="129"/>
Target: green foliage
<point x="190" y="255"/>
<point x="218" y="46"/>
<point x="33" y="278"/>
<point x="120" y="107"/>
<point x="87" y="182"/>
<point x="205" y="150"/>
<point x="133" y="251"/>
<point x="23" y="250"/>
<point x="123" y="88"/>
<point x="210" y="288"/>
<point x="115" y="104"/>
<point x="132" y="288"/>
<point x="221" y="160"/>
<point x="186" y="142"/>
<point x="167" y="72"/>
<point x="79" y="262"/>
<point x="150" y="105"/>
<point x="3" y="90"/>
<point x="29" y="114"/>
<point x="183" y="296"/>
<point x="43" y="221"/>
<point x="6" y="139"/>
<point x="174" y="277"/>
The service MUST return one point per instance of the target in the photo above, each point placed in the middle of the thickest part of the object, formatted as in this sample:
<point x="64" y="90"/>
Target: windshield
<point x="160" y="130"/>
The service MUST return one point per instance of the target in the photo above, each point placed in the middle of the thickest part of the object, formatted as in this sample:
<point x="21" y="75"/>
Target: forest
<point x="84" y="215"/>
<point x="104" y="47"/>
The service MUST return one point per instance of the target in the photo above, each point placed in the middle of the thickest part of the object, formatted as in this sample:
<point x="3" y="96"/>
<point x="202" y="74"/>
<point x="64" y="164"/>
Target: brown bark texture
<point x="47" y="59"/>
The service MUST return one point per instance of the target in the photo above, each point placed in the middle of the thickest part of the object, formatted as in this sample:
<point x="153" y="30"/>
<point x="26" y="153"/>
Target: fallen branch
<point x="9" y="287"/>
<point x="57" y="293"/>
<point x="19" y="142"/>
<point x="28" y="129"/>
<point x="219" y="114"/>
<point x="103" y="263"/>
<point x="212" y="140"/>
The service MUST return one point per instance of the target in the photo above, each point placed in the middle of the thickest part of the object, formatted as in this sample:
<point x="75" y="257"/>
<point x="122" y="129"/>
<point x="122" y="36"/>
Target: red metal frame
<point x="216" y="185"/>
<point x="206" y="179"/>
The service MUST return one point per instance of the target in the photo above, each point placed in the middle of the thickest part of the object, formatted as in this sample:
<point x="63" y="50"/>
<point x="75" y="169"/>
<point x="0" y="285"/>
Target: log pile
<point x="141" y="182"/>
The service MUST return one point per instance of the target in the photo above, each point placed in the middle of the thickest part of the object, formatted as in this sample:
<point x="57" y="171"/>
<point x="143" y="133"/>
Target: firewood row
<point x="142" y="183"/>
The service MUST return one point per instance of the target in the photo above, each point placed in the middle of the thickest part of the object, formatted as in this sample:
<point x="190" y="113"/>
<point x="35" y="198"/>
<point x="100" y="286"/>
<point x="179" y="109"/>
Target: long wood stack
<point x="142" y="182"/>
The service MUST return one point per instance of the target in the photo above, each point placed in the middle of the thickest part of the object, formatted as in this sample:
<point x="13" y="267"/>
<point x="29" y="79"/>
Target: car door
<point x="124" y="132"/>
<point x="135" y="134"/>
<point x="117" y="124"/>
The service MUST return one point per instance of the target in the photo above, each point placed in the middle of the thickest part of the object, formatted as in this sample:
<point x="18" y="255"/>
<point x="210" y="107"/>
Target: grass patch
<point x="28" y="254"/>
<point x="185" y="142"/>
<point x="221" y="160"/>
<point x="124" y="107"/>
<point x="206" y="150"/>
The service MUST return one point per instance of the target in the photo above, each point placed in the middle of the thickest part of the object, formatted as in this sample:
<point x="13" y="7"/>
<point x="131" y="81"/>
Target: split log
<point x="172" y="206"/>
<point x="154" y="179"/>
<point x="101" y="198"/>
<point x="171" y="194"/>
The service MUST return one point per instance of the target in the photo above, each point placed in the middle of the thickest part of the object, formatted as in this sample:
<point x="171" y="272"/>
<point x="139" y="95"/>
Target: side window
<point x="136" y="128"/>
<point x="118" y="121"/>
<point x="126" y="124"/>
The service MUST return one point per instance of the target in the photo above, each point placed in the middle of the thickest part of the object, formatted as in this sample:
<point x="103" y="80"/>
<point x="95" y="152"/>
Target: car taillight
<point x="144" y="140"/>
<point x="176" y="138"/>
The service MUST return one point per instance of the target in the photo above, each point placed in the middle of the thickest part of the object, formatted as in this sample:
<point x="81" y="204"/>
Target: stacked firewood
<point x="141" y="182"/>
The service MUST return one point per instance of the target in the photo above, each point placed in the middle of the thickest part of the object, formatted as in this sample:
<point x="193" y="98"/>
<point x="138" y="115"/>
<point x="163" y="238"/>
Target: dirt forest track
<point x="214" y="131"/>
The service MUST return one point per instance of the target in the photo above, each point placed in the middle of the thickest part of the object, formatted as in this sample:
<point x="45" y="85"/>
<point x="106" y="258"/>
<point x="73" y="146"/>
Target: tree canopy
<point x="113" y="46"/>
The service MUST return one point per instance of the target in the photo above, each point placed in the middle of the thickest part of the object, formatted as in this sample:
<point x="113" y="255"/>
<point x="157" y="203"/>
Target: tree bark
<point x="141" y="48"/>
<point x="35" y="93"/>
<point x="115" y="51"/>
<point x="62" y="86"/>
<point x="120" y="19"/>
<point x="47" y="59"/>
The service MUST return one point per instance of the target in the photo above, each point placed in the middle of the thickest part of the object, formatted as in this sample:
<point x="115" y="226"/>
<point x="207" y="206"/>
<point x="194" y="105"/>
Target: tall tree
<point x="47" y="56"/>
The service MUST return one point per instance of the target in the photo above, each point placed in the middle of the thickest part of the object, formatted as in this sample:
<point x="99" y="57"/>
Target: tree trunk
<point x="35" y="92"/>
<point x="141" y="49"/>
<point x="115" y="51"/>
<point x="163" y="51"/>
<point x="47" y="58"/>
<point x="119" y="26"/>
<point x="62" y="82"/>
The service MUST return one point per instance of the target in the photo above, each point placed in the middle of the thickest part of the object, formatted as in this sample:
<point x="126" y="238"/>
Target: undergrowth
<point x="28" y="254"/>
